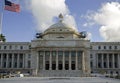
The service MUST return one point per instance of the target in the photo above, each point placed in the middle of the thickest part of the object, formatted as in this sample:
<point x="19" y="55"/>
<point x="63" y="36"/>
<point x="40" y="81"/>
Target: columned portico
<point x="62" y="58"/>
<point x="67" y="60"/>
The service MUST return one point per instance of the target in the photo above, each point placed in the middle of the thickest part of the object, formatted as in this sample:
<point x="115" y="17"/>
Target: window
<point x="21" y="56"/>
<point x="29" y="46"/>
<point x="15" y="65"/>
<point x="104" y="47"/>
<point x="47" y="65"/>
<point x="53" y="53"/>
<point x="66" y="53"/>
<point x="99" y="65"/>
<point x="47" y="53"/>
<point x="10" y="64"/>
<point x="66" y="65"/>
<point x="115" y="47"/>
<point x="4" y="56"/>
<point x="60" y="53"/>
<point x="73" y="65"/>
<point x="40" y="53"/>
<point x="15" y="56"/>
<point x="99" y="47"/>
<point x="29" y="64"/>
<point x="91" y="47"/>
<point x="21" y="47"/>
<point x="4" y="65"/>
<point x="79" y="53"/>
<point x="105" y="65"/>
<point x="10" y="56"/>
<point x="91" y="56"/>
<point x="21" y="64"/>
<point x="60" y="65"/>
<point x="91" y="64"/>
<point x="5" y="47"/>
<point x="73" y="53"/>
<point x="110" y="47"/>
<point x="29" y="56"/>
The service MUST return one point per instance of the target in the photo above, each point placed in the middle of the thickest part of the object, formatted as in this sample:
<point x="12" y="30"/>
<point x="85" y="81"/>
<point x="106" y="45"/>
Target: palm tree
<point x="2" y="38"/>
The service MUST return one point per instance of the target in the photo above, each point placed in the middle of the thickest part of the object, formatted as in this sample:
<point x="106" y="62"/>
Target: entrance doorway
<point x="53" y="66"/>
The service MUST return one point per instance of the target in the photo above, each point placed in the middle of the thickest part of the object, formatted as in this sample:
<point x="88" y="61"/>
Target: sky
<point x="100" y="18"/>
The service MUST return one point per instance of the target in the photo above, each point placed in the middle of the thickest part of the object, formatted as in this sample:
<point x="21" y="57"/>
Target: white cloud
<point x="108" y="17"/>
<point x="44" y="12"/>
<point x="89" y="36"/>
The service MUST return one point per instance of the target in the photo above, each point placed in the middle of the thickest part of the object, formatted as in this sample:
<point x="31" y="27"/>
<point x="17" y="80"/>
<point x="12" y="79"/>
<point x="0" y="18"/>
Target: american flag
<point x="12" y="6"/>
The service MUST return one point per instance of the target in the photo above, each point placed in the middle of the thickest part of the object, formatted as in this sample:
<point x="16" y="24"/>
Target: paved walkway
<point x="59" y="80"/>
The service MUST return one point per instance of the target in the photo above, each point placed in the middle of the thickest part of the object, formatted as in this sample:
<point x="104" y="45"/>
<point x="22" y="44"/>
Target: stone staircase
<point x="60" y="73"/>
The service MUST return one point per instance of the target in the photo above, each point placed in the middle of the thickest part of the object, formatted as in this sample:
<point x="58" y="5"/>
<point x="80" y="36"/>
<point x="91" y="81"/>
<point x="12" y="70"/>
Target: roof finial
<point x="61" y="17"/>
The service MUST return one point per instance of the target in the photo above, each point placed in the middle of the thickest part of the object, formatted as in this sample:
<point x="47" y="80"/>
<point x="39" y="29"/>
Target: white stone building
<point x="105" y="57"/>
<point x="60" y="51"/>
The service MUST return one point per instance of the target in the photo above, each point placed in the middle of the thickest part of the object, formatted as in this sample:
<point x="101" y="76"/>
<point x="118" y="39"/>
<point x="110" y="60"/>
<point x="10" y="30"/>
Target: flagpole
<point x="1" y="23"/>
<point x="1" y="19"/>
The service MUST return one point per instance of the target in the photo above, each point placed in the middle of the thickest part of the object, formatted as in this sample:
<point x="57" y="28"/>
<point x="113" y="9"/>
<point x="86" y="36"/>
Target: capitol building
<point x="60" y="51"/>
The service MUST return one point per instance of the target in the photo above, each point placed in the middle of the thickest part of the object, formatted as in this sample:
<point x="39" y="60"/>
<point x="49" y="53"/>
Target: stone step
<point x="60" y="73"/>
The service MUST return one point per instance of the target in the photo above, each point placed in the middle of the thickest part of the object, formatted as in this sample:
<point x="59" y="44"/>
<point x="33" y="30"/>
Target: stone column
<point x="63" y="60"/>
<point x="83" y="61"/>
<point x="96" y="60"/>
<point x="7" y="62"/>
<point x="44" y="60"/>
<point x="76" y="61"/>
<point x="56" y="60"/>
<point x="12" y="60"/>
<point x="23" y="61"/>
<point x="107" y="60"/>
<point x="102" y="60"/>
<point x="18" y="60"/>
<point x="118" y="60"/>
<point x="1" y="60"/>
<point x="50" y="60"/>
<point x="113" y="61"/>
<point x="70" y="60"/>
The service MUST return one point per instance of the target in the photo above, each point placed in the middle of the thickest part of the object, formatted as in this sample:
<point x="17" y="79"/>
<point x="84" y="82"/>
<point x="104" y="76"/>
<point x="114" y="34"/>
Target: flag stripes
<point x="11" y="6"/>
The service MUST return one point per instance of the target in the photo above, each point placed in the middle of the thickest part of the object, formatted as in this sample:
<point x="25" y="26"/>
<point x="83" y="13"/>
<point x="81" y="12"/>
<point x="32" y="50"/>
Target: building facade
<point x="105" y="57"/>
<point x="60" y="51"/>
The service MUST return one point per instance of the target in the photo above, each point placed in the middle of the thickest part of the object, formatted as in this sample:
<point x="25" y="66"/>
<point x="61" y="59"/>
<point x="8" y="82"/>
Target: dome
<point x="60" y="27"/>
